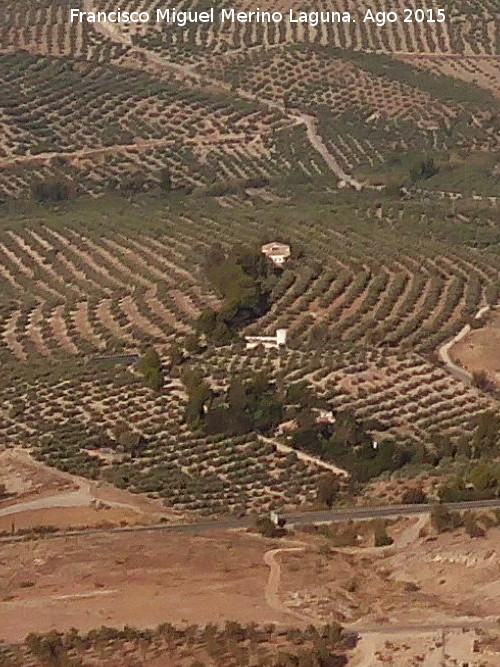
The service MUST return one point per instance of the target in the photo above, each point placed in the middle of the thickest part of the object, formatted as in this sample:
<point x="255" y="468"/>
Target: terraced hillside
<point x="103" y="128"/>
<point x="92" y="105"/>
<point x="367" y="107"/>
<point x="71" y="414"/>
<point x="373" y="151"/>
<point x="365" y="318"/>
<point x="470" y="28"/>
<point x="363" y="329"/>
<point x="81" y="411"/>
<point x="71" y="287"/>
<point x="403" y="396"/>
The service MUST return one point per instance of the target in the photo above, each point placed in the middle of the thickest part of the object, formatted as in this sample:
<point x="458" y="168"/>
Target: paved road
<point x="382" y="511"/>
<point x="327" y="516"/>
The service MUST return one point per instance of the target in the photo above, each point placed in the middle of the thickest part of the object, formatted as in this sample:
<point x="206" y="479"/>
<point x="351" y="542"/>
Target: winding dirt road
<point x="317" y="143"/>
<point x="271" y="559"/>
<point x="273" y="583"/>
<point x="444" y="351"/>
<point x="371" y="637"/>
<point x="83" y="497"/>
<point x="186" y="71"/>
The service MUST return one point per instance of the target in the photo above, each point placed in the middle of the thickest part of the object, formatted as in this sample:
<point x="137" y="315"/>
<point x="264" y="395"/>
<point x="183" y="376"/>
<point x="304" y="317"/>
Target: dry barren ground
<point x="22" y="476"/>
<point x="433" y="649"/>
<point x="41" y="496"/>
<point x="138" y="579"/>
<point x="399" y="597"/>
<point x="420" y="601"/>
<point x="480" y="349"/>
<point x="443" y="578"/>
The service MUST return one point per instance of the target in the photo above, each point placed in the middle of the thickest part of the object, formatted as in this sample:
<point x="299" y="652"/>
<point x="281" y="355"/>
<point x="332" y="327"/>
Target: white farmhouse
<point x="324" y="416"/>
<point x="278" y="253"/>
<point x="268" y="342"/>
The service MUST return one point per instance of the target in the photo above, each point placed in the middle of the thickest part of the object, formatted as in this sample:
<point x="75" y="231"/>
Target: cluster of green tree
<point x="259" y="405"/>
<point x="482" y="481"/>
<point x="181" y="352"/>
<point x="254" y="405"/>
<point x="244" y="279"/>
<point x="414" y="496"/>
<point x="347" y="443"/>
<point x="423" y="169"/>
<point x="482" y="380"/>
<point x="149" y="365"/>
<point x="49" y="648"/>
<point x="442" y="520"/>
<point x="268" y="528"/>
<point x="248" y="406"/>
<point x="484" y="443"/>
<point x="200" y="396"/>
<point x="51" y="191"/>
<point x="486" y="438"/>
<point x="314" y="646"/>
<point x="129" y="441"/>
<point x="328" y="490"/>
<point x="472" y="525"/>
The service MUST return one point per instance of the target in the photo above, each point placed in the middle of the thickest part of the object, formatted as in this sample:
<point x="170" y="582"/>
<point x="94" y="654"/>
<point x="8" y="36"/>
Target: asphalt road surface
<point x="326" y="516"/>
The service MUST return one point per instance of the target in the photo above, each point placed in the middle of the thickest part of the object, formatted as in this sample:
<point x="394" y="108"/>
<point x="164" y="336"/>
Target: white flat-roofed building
<point x="268" y="342"/>
<point x="278" y="253"/>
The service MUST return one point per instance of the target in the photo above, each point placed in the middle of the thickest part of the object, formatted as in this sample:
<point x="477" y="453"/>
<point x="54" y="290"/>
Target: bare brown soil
<point x="399" y="596"/>
<point x="71" y="517"/>
<point x="139" y="579"/>
<point x="434" y="578"/>
<point x="480" y="349"/>
<point x="29" y="482"/>
<point x="146" y="579"/>
<point x="23" y="476"/>
<point x="433" y="649"/>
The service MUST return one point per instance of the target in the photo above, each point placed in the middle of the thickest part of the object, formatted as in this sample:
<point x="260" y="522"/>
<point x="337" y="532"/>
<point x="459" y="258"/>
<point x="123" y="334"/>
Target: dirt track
<point x="273" y="582"/>
<point x="307" y="458"/>
<point x="319" y="147"/>
<point x="444" y="350"/>
<point x="141" y="580"/>
<point x="114" y="33"/>
<point x="45" y="496"/>
<point x="479" y="349"/>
